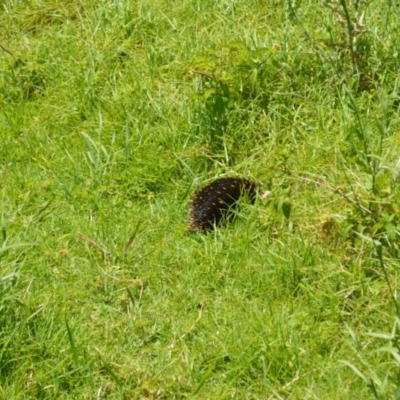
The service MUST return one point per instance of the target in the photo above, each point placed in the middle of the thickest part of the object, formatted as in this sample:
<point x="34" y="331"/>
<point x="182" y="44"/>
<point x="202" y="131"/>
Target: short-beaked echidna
<point x="215" y="203"/>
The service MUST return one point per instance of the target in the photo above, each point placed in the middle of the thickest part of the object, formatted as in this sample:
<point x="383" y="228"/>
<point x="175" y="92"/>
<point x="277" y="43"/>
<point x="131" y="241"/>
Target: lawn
<point x="113" y="115"/>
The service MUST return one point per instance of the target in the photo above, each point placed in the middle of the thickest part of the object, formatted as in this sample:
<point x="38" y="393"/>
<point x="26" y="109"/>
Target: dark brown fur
<point x="214" y="204"/>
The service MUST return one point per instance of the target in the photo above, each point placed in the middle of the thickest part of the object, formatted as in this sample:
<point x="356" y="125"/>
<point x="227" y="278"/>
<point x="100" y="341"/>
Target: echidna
<point x="214" y="203"/>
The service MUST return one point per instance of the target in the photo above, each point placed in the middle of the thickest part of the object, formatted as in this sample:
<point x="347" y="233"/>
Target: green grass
<point x="112" y="114"/>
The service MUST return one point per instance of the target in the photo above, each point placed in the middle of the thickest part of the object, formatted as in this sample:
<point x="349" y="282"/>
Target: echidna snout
<point x="214" y="203"/>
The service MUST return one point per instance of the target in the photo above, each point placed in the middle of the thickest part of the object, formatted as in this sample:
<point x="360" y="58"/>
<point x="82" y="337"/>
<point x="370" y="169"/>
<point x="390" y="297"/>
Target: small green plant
<point x="379" y="380"/>
<point x="358" y="44"/>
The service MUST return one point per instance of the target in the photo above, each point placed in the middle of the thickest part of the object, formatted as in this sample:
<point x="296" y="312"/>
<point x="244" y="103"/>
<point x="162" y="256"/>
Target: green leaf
<point x="356" y="370"/>
<point x="393" y="351"/>
<point x="387" y="336"/>
<point x="286" y="208"/>
<point x="209" y="92"/>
